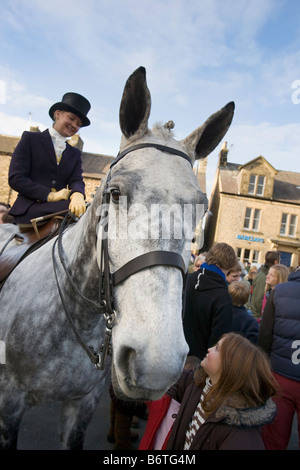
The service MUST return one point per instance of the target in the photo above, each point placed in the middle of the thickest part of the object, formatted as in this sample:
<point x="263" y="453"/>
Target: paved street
<point x="39" y="429"/>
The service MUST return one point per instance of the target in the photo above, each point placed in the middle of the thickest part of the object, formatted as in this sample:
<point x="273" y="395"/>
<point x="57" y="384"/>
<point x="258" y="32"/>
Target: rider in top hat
<point x="45" y="169"/>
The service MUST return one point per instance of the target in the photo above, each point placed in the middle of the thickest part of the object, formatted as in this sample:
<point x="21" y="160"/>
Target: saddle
<point x="27" y="240"/>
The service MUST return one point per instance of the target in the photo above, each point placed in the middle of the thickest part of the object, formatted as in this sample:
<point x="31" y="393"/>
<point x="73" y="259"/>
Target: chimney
<point x="223" y="155"/>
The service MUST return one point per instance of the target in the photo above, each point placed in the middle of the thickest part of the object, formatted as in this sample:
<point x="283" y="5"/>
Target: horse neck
<point x="79" y="244"/>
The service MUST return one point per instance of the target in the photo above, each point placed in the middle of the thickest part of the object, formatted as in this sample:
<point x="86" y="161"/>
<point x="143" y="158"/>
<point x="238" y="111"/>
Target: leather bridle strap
<point x="162" y="148"/>
<point x="152" y="258"/>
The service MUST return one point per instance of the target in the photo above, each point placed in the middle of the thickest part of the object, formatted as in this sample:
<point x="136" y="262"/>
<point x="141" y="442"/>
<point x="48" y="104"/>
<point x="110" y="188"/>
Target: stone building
<point x="94" y="166"/>
<point x="254" y="208"/>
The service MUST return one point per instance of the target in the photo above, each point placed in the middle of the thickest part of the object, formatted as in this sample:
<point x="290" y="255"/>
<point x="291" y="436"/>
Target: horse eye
<point x="115" y="195"/>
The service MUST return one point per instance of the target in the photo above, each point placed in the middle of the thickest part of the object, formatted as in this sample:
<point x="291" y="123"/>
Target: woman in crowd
<point x="276" y="275"/>
<point x="226" y="400"/>
<point x="45" y="169"/>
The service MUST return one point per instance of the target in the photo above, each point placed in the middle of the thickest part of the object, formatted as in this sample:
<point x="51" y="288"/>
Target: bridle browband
<point x="107" y="279"/>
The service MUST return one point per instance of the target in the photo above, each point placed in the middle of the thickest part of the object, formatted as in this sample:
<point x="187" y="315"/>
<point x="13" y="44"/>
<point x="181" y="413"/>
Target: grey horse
<point x="106" y="294"/>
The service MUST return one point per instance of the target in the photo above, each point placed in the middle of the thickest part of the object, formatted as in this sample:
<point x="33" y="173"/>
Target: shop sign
<point x="249" y="238"/>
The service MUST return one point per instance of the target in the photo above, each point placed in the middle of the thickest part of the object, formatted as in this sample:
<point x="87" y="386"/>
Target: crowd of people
<point x="244" y="331"/>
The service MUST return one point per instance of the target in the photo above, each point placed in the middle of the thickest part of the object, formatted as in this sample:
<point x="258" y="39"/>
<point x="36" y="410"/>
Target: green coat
<point x="259" y="284"/>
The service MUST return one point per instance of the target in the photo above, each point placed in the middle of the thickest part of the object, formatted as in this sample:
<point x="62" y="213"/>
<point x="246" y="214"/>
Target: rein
<point x="107" y="279"/>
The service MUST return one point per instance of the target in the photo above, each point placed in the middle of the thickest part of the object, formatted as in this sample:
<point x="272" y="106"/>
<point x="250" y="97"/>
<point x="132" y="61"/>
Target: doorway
<point x="285" y="258"/>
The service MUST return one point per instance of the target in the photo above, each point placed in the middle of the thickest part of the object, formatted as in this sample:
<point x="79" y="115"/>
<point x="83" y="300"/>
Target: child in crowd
<point x="207" y="303"/>
<point x="234" y="274"/>
<point x="242" y="322"/>
<point x="226" y="400"/>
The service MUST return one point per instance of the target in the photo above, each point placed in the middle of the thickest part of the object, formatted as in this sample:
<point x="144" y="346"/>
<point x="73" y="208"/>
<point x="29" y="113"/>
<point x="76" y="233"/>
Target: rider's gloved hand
<point x="61" y="195"/>
<point x="77" y="205"/>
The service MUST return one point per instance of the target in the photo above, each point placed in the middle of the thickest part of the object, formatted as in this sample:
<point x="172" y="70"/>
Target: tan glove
<point x="61" y="195"/>
<point x="77" y="204"/>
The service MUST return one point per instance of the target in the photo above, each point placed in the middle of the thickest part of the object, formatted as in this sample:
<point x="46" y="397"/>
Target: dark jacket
<point x="245" y="324"/>
<point x="34" y="171"/>
<point x="229" y="428"/>
<point x="208" y="311"/>
<point x="279" y="333"/>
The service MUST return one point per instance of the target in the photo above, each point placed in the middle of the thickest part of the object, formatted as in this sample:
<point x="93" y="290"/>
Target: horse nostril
<point x="125" y="361"/>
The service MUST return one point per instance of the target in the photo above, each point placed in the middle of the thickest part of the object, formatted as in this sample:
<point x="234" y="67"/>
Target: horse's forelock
<point x="162" y="130"/>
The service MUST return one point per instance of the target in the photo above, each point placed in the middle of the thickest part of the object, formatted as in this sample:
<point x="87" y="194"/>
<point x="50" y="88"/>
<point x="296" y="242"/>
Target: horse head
<point x="155" y="203"/>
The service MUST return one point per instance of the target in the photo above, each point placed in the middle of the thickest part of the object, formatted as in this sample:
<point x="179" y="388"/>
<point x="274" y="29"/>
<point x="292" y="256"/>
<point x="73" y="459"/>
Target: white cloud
<point x="278" y="144"/>
<point x="15" y="126"/>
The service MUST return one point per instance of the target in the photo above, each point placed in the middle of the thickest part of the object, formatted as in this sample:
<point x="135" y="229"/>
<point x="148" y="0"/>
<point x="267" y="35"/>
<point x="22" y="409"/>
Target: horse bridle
<point x="109" y="280"/>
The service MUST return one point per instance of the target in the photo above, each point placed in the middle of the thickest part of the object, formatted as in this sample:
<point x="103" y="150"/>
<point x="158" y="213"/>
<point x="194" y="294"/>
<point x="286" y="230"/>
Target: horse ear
<point x="204" y="140"/>
<point x="135" y="105"/>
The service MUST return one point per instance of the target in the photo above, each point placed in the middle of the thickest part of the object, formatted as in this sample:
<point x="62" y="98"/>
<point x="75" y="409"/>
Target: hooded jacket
<point x="245" y="324"/>
<point x="230" y="427"/>
<point x="207" y="312"/>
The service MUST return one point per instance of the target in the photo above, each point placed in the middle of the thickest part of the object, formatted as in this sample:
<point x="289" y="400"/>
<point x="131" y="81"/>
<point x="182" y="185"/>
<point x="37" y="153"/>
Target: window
<point x="247" y="256"/>
<point x="252" y="217"/>
<point x="251" y="189"/>
<point x="256" y="218"/>
<point x="293" y="222"/>
<point x="288" y="225"/>
<point x="247" y="218"/>
<point x="283" y="224"/>
<point x="260" y="186"/>
<point x="256" y="185"/>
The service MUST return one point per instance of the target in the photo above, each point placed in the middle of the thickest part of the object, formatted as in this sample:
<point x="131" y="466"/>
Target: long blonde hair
<point x="245" y="374"/>
<point x="282" y="275"/>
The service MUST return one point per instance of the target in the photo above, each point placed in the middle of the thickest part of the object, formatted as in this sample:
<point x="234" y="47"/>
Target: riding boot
<point x="123" y="435"/>
<point x="111" y="432"/>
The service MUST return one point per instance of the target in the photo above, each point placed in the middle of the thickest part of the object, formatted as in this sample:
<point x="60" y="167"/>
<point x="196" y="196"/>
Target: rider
<point x="46" y="170"/>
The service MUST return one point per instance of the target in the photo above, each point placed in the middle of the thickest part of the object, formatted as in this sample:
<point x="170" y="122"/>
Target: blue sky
<point x="198" y="54"/>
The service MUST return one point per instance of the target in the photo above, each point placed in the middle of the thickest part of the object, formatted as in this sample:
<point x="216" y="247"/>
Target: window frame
<point x="253" y="255"/>
<point x="288" y="225"/>
<point x="252" y="220"/>
<point x="256" y="187"/>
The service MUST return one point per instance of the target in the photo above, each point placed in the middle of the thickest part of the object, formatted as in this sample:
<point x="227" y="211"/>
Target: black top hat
<point x="74" y="103"/>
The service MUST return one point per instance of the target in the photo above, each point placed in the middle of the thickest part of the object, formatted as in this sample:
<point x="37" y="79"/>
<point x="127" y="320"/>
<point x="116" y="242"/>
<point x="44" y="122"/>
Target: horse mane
<point x="164" y="130"/>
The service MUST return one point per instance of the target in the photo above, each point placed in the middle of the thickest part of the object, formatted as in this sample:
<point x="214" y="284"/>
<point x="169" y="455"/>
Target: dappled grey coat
<point x="229" y="428"/>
